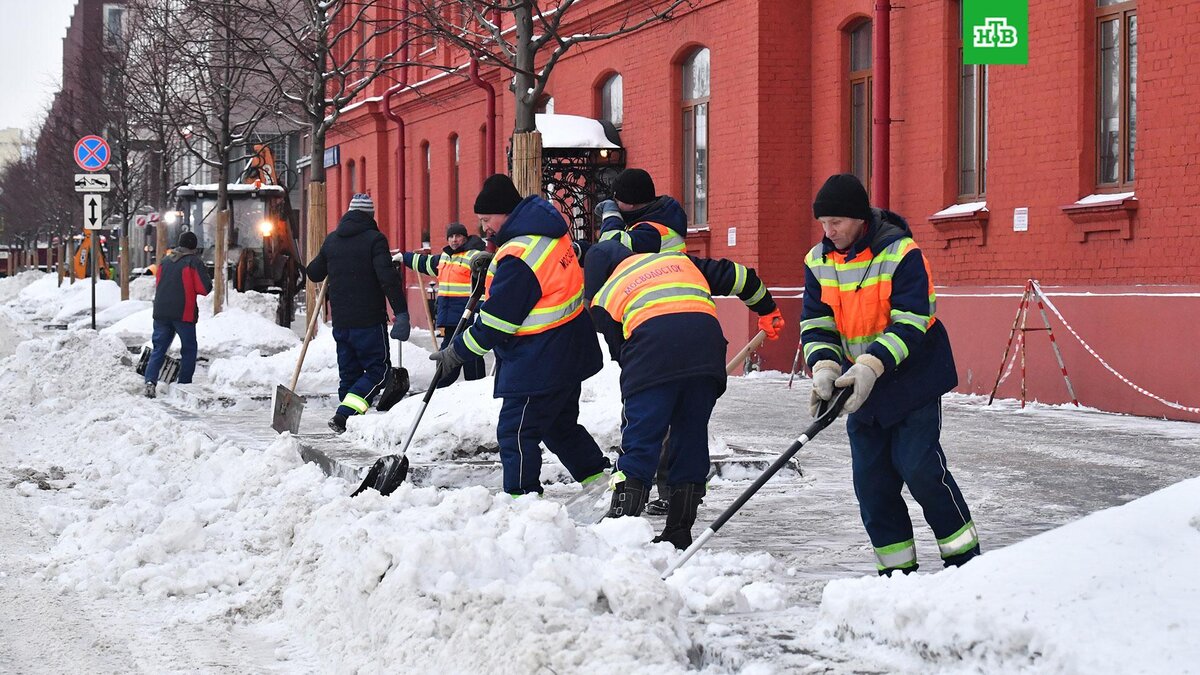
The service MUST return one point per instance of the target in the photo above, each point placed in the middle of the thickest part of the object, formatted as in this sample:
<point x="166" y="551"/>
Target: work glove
<point x="824" y="374"/>
<point x="607" y="209"/>
<point x="402" y="327"/>
<point x="861" y="379"/>
<point x="480" y="262"/>
<point x="771" y="323"/>
<point x="447" y="359"/>
<point x="398" y="258"/>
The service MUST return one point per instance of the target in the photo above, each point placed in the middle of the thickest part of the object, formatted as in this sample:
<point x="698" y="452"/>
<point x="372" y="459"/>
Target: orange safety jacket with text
<point x="647" y="285"/>
<point x="557" y="269"/>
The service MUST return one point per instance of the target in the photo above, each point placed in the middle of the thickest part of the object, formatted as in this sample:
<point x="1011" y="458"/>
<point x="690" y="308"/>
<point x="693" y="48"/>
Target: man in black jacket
<point x="181" y="278"/>
<point x="356" y="258"/>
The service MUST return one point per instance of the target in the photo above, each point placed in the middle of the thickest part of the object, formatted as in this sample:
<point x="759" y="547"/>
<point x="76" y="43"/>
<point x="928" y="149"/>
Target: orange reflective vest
<point x="647" y="285"/>
<point x="860" y="294"/>
<point x="454" y="274"/>
<point x="670" y="241"/>
<point x="558" y="273"/>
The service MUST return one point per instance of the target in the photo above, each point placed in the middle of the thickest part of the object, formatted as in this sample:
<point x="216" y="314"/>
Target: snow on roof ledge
<point x="962" y="209"/>
<point x="1105" y="198"/>
<point x="572" y="131"/>
<point x="234" y="188"/>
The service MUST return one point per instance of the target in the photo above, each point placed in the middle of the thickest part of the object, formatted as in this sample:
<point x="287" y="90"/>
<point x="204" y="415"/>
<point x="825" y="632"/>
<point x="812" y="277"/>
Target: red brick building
<point x="1095" y="140"/>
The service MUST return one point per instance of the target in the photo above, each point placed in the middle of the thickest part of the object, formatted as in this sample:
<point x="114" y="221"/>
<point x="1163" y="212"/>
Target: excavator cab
<point x="262" y="253"/>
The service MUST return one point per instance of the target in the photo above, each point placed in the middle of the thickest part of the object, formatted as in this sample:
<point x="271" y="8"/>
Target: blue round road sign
<point x="91" y="153"/>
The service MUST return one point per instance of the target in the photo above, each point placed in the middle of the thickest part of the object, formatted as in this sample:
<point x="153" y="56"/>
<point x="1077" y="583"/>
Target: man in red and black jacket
<point x="181" y="278"/>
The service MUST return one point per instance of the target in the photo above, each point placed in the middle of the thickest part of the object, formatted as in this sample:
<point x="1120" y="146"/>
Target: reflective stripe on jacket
<point x="647" y="285"/>
<point x="859" y="292"/>
<point x="454" y="274"/>
<point x="669" y="240"/>
<point x="557" y="269"/>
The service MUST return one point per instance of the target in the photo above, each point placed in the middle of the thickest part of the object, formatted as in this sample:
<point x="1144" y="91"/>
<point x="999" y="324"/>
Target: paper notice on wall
<point x="1021" y="219"/>
<point x="731" y="237"/>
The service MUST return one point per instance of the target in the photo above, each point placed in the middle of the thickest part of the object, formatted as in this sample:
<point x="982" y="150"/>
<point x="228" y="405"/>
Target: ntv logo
<point x="995" y="32"/>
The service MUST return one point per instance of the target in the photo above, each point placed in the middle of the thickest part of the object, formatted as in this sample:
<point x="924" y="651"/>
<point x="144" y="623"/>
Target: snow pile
<point x="233" y="332"/>
<point x="464" y="580"/>
<point x="1112" y="592"/>
<point x="10" y="287"/>
<point x="43" y="300"/>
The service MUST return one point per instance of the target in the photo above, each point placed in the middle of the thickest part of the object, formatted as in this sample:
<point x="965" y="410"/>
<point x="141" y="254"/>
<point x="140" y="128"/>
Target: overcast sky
<point x="31" y="33"/>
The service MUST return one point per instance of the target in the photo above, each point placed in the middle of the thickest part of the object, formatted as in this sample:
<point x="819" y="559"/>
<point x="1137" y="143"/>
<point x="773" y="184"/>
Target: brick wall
<point x="778" y="128"/>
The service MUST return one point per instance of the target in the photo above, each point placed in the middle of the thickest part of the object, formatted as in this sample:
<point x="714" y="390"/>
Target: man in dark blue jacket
<point x="452" y="268"/>
<point x="657" y="314"/>
<point x="356" y="259"/>
<point x="180" y="279"/>
<point x="640" y="219"/>
<point x="544" y="342"/>
<point x="868" y="323"/>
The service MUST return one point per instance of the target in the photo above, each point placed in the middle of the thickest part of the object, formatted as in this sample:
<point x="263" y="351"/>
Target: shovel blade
<point x="288" y="407"/>
<point x="395" y="389"/>
<point x="385" y="475"/>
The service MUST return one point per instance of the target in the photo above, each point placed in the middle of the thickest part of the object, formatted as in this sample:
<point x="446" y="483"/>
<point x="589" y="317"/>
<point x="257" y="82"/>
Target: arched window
<point x="860" y="102"/>
<point x="695" y="135"/>
<point x="426" y="162"/>
<point x="612" y="100"/>
<point x="351" y="181"/>
<point x="454" y="159"/>
<point x="545" y="105"/>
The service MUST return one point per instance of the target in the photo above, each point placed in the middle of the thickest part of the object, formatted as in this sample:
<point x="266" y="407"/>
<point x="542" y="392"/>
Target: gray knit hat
<point x="362" y="202"/>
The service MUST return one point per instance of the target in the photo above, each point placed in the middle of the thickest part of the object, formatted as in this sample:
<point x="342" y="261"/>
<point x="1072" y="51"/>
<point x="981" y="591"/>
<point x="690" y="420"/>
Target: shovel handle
<point x="739" y="358"/>
<point x="308" y="334"/>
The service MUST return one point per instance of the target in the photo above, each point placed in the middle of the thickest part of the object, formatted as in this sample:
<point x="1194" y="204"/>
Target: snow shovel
<point x="740" y="358"/>
<point x="828" y="413"/>
<point x="397" y="384"/>
<point x="288" y="404"/>
<point x="386" y="474"/>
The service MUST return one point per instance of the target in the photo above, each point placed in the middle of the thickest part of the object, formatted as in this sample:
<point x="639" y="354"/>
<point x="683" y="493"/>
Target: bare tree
<point x="321" y="55"/>
<point x="537" y="41"/>
<point x="212" y="88"/>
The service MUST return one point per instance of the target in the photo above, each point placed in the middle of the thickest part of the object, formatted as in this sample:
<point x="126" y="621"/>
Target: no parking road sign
<point x="91" y="153"/>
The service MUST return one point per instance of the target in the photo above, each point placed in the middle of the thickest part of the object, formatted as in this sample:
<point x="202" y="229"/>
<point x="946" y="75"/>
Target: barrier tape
<point x="1170" y="404"/>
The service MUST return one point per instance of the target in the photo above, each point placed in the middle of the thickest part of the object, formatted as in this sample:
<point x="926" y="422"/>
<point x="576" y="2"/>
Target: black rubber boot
<point x="685" y="500"/>
<point x="660" y="506"/>
<point x="629" y="497"/>
<point x="337" y="424"/>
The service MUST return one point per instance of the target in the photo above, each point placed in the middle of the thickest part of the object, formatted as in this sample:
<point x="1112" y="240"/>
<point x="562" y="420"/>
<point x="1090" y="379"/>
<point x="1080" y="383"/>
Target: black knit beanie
<point x="842" y="195"/>
<point x="456" y="228"/>
<point x="634" y="186"/>
<point x="498" y="195"/>
<point x="188" y="240"/>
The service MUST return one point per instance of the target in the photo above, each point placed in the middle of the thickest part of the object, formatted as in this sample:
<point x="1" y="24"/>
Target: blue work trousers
<point x="684" y="407"/>
<point x="164" y="334"/>
<point x="363" y="366"/>
<point x="528" y="421"/>
<point x="884" y="460"/>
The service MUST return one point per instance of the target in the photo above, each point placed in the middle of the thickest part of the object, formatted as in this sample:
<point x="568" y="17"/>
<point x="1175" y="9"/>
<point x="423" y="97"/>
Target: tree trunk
<point x="160" y="242"/>
<point x="316" y="236"/>
<point x="124" y="256"/>
<point x="527" y="163"/>
<point x="219" y="261"/>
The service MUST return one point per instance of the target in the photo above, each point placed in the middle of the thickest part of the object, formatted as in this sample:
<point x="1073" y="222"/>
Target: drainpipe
<point x="881" y="113"/>
<point x="401" y="195"/>
<point x="490" y="134"/>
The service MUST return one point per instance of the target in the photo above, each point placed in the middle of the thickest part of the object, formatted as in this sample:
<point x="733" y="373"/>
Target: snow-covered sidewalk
<point x="138" y="542"/>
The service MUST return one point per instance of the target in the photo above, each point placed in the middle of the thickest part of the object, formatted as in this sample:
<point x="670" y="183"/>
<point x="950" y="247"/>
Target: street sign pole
<point x="92" y="253"/>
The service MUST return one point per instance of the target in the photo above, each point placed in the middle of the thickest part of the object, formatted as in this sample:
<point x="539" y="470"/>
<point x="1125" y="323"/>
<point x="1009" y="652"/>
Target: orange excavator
<point x="262" y="253"/>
